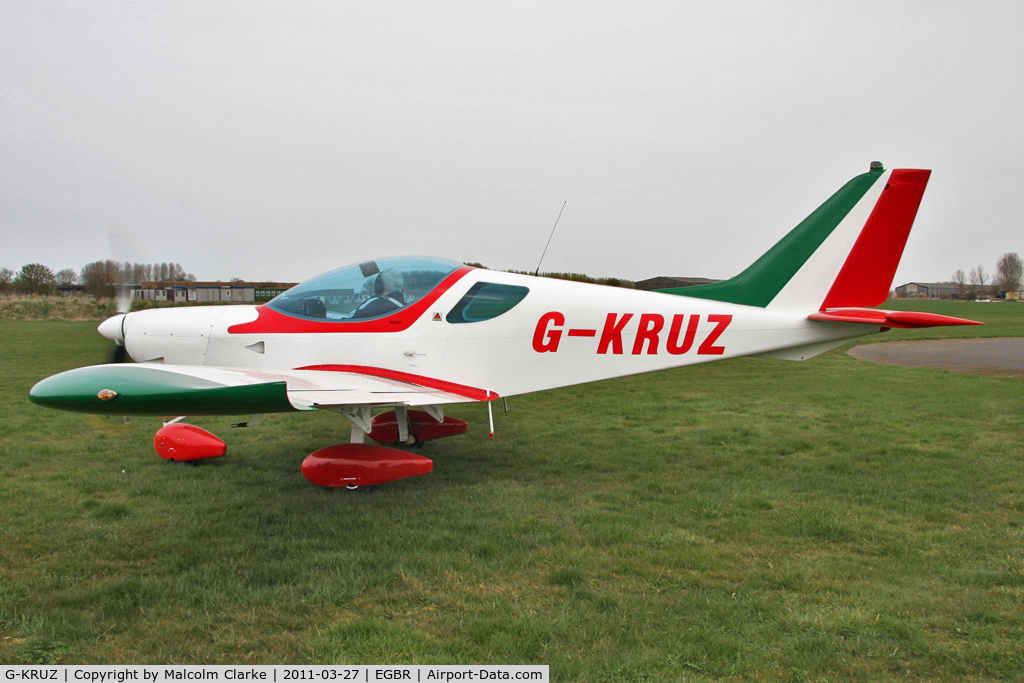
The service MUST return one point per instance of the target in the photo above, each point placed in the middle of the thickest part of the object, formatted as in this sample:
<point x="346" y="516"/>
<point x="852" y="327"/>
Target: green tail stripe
<point x="765" y="278"/>
<point x="147" y="391"/>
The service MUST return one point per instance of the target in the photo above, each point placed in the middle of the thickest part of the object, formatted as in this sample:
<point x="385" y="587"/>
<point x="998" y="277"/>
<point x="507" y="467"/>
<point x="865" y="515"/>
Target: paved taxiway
<point x="1000" y="357"/>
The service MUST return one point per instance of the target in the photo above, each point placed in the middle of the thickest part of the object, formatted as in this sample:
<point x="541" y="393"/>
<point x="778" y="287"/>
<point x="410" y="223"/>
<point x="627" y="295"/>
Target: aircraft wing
<point x="308" y="389"/>
<point x="154" y="389"/>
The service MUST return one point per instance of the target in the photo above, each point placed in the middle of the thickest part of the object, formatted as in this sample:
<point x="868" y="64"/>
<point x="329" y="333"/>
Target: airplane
<point x="404" y="337"/>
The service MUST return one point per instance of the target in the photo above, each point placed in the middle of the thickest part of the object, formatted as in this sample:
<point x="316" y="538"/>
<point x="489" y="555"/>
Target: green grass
<point x="745" y="520"/>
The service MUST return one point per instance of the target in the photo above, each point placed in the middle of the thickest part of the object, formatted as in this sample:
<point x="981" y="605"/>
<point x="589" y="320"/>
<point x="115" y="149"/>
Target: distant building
<point x="665" y="282"/>
<point x="71" y="290"/>
<point x="930" y="290"/>
<point x="211" y="292"/>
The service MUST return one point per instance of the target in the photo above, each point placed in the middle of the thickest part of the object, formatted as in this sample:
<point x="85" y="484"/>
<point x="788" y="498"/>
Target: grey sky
<point x="280" y="140"/>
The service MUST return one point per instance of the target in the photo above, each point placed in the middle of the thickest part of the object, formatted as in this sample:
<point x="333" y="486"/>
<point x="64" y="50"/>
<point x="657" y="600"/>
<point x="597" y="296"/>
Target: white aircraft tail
<point x="843" y="255"/>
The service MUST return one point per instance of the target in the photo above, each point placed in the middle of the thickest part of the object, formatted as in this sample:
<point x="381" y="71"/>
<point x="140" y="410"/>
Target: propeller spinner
<point x="113" y="329"/>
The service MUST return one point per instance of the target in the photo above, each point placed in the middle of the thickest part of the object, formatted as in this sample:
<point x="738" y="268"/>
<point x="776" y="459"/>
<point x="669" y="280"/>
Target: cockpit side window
<point x="364" y="291"/>
<point x="485" y="301"/>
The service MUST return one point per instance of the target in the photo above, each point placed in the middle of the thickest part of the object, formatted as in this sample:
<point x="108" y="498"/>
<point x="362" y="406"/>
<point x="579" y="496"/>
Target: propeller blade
<point x="124" y="298"/>
<point x="119" y="354"/>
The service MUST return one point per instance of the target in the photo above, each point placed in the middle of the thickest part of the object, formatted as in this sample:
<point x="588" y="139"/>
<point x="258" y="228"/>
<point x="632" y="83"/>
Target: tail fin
<point x="843" y="255"/>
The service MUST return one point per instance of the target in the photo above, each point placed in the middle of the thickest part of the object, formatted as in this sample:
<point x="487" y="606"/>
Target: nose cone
<point x="113" y="328"/>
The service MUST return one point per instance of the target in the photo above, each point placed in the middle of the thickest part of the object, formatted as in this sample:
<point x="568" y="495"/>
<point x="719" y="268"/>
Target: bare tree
<point x="141" y="272"/>
<point x="982" y="279"/>
<point x="68" y="276"/>
<point x="6" y="280"/>
<point x="99" y="277"/>
<point x="1009" y="271"/>
<point x="972" y="277"/>
<point x="177" y="274"/>
<point x="960" y="280"/>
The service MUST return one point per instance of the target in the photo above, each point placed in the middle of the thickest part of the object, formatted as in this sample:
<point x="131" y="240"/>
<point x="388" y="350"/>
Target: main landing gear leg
<point x="358" y="436"/>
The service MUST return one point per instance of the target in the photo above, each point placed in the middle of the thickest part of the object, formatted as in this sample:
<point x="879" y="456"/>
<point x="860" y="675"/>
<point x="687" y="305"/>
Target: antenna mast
<point x="537" y="272"/>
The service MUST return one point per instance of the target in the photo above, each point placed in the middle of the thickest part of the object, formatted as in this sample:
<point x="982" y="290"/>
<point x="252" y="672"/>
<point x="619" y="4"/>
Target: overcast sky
<point x="275" y="141"/>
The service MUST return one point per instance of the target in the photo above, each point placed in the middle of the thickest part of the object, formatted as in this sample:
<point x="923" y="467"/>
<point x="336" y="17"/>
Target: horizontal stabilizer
<point x="875" y="316"/>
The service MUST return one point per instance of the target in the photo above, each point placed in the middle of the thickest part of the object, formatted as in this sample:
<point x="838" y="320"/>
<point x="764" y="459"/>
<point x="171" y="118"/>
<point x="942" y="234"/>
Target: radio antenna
<point x="537" y="272"/>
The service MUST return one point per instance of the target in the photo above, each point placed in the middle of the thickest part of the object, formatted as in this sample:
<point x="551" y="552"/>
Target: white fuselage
<point x="562" y="333"/>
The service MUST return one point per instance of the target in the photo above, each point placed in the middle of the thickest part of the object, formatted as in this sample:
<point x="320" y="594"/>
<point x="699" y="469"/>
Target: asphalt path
<point x="1000" y="357"/>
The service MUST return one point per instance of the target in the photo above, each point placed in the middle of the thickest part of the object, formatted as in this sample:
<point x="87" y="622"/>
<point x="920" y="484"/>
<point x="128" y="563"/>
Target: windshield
<point x="364" y="291"/>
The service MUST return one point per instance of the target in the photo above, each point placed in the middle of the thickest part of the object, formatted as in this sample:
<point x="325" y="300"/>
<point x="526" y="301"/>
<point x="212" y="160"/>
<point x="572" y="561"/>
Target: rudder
<point x="868" y="272"/>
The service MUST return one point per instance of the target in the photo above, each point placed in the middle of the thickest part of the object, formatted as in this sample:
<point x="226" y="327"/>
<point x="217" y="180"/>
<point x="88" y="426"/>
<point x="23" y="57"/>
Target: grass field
<point x="38" y="307"/>
<point x="830" y="520"/>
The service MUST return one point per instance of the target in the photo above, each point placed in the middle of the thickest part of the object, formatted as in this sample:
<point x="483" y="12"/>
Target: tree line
<point x="978" y="283"/>
<point x="98" y="278"/>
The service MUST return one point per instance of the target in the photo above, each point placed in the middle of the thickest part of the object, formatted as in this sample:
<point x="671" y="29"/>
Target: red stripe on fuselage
<point x="429" y="382"/>
<point x="273" y="322"/>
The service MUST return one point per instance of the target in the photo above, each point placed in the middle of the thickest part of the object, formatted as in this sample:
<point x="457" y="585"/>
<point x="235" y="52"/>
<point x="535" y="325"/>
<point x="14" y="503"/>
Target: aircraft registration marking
<point x="548" y="334"/>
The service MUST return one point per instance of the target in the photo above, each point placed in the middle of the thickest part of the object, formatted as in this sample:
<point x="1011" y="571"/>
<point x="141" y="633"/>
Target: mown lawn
<point x="745" y="520"/>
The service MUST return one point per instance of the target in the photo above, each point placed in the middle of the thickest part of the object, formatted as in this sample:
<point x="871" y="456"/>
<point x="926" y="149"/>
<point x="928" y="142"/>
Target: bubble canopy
<point x="364" y="291"/>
